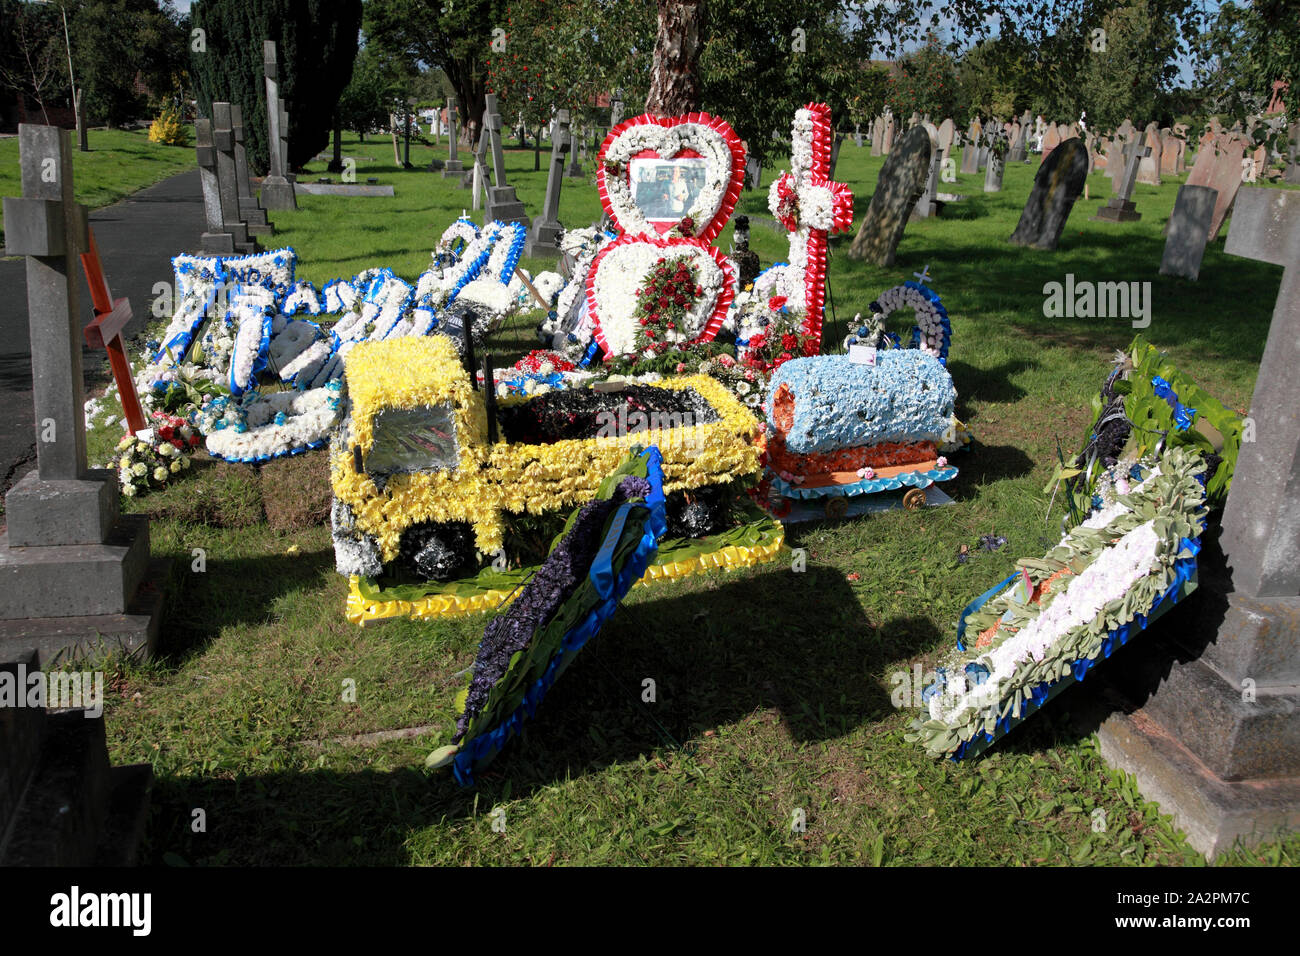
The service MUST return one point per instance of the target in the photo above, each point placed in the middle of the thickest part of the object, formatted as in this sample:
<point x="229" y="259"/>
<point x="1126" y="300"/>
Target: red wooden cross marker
<point x="105" y="332"/>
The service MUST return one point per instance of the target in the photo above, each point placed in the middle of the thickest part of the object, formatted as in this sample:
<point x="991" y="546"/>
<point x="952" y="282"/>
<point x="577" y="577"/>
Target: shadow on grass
<point x="808" y="652"/>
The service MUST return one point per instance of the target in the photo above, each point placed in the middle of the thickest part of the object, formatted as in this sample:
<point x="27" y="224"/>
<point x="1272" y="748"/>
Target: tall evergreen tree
<point x="316" y="43"/>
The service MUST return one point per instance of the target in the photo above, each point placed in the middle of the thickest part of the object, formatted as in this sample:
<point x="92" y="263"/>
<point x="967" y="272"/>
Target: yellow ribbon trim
<point x="359" y="611"/>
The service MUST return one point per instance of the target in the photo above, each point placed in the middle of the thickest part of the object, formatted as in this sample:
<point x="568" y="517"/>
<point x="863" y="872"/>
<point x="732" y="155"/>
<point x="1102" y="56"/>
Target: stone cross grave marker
<point x="277" y="190"/>
<point x="901" y="180"/>
<point x="503" y="205"/>
<point x="928" y="205"/>
<point x="577" y="153"/>
<point x="70" y="566"/>
<point x="1217" y="743"/>
<point x="1188" y="231"/>
<point x="1057" y="184"/>
<point x="1119" y="208"/>
<point x="453" y="166"/>
<point x="544" y="235"/>
<point x="249" y="209"/>
<point x="218" y="238"/>
<point x="223" y="139"/>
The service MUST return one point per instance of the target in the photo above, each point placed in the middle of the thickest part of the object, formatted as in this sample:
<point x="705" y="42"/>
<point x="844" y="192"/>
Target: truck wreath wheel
<point x="436" y="552"/>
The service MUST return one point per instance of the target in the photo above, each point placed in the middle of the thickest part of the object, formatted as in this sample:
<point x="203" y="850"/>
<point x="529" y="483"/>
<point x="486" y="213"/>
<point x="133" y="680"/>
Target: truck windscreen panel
<point x="412" y="440"/>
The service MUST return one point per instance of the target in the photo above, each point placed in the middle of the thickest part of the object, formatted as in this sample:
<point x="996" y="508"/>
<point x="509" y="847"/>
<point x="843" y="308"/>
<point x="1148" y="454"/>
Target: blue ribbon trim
<point x="978" y="603"/>
<point x="867" y="486"/>
<point x="1183" y="415"/>
<point x="1184" y="569"/>
<point x="488" y="744"/>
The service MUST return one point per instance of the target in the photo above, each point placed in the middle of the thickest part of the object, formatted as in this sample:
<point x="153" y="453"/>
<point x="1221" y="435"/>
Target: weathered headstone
<point x="1051" y="140"/>
<point x="453" y="166"/>
<point x="877" y="134"/>
<point x="1019" y="145"/>
<point x="1188" y="232"/>
<point x="1218" y="165"/>
<point x="577" y="154"/>
<point x="993" y="173"/>
<point x="1057" y="184"/>
<point x="1217" y="742"/>
<point x="503" y="205"/>
<point x="857" y="135"/>
<point x="887" y="137"/>
<point x="249" y="209"/>
<point x="1119" y="208"/>
<point x="1149" y="168"/>
<point x="223" y="138"/>
<point x="928" y="205"/>
<point x="1168" y="152"/>
<point x="277" y="190"/>
<point x="947" y="133"/>
<point x="71" y="567"/>
<point x="901" y="181"/>
<point x="544" y="235"/>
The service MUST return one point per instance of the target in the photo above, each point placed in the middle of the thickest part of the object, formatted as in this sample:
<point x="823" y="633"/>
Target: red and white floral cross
<point x="811" y="207"/>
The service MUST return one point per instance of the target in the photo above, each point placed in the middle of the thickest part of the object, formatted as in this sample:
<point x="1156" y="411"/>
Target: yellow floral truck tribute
<point x="428" y="470"/>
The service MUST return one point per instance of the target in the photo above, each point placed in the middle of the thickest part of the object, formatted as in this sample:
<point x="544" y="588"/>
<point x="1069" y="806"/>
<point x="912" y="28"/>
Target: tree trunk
<point x="336" y="164"/>
<point x="674" y="77"/>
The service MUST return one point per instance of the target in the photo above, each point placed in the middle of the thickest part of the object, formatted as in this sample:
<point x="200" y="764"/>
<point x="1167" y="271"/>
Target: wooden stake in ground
<point x="674" y="77"/>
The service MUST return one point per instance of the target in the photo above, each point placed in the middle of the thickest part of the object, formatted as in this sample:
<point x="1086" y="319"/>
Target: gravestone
<point x="993" y="173"/>
<point x="544" y="235"/>
<point x="970" y="159"/>
<point x="1217" y="742"/>
<point x="1168" y="152"/>
<point x="1188" y="232"/>
<point x="1149" y="168"/>
<point x="1051" y="140"/>
<point x="475" y="177"/>
<point x="1119" y="208"/>
<point x="249" y="210"/>
<point x="289" y="174"/>
<point x="576" y="154"/>
<point x="947" y="132"/>
<point x="223" y="138"/>
<point x="753" y="172"/>
<point x="877" y="135"/>
<point x="217" y="238"/>
<point x="1057" y="184"/>
<point x="72" y="569"/>
<point x="277" y="190"/>
<point x="857" y="135"/>
<point x="453" y="166"/>
<point x="1019" y="145"/>
<point x="901" y="181"/>
<point x="887" y="137"/>
<point x="1218" y="165"/>
<point x="503" y="205"/>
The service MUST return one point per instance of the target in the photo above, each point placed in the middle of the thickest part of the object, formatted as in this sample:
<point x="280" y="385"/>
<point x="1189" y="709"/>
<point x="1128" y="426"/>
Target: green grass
<point x="119" y="163"/>
<point x="773" y="688"/>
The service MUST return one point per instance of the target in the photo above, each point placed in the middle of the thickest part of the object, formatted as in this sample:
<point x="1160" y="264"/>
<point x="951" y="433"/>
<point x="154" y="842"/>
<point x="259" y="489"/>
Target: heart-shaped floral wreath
<point x="676" y="137"/>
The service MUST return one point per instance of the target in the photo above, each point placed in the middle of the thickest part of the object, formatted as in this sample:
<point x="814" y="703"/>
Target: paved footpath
<point x="137" y="238"/>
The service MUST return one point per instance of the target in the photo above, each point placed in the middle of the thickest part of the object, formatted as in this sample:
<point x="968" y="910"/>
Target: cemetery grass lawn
<point x="773" y="689"/>
<point x="120" y="162"/>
